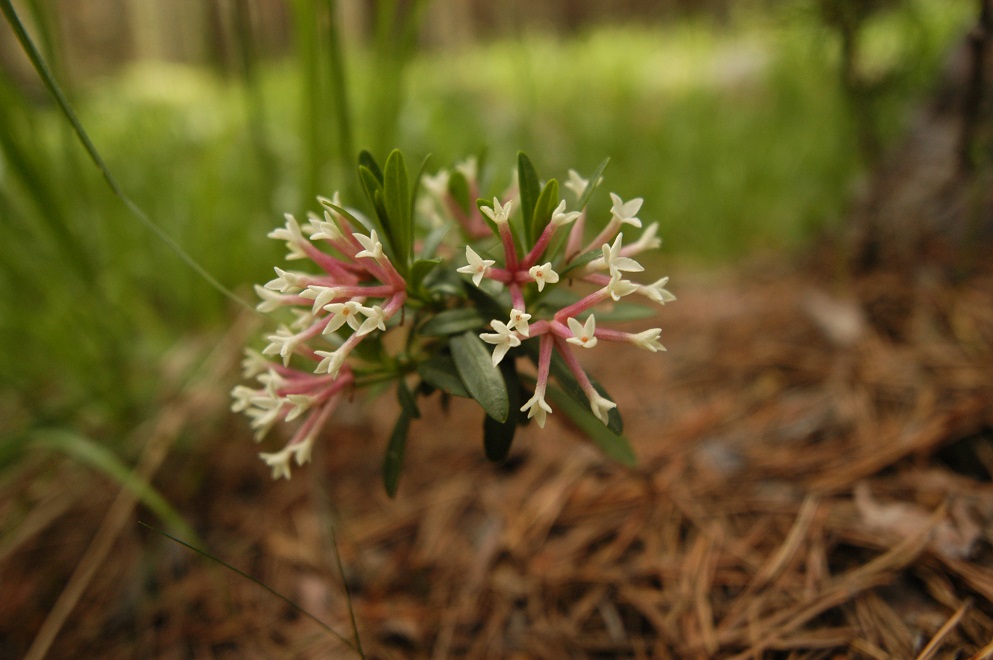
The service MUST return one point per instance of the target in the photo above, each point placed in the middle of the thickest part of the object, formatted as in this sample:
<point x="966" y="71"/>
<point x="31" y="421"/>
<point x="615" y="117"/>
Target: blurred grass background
<point x="734" y="122"/>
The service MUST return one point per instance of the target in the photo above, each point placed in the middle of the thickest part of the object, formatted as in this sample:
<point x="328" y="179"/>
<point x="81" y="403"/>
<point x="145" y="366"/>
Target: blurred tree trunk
<point x="931" y="200"/>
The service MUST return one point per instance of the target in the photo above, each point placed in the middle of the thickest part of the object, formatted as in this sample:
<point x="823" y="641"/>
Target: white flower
<point x="279" y="462"/>
<point x="537" y="408"/>
<point x="468" y="168"/>
<point x="647" y="241"/>
<point x="321" y="295"/>
<point x="292" y="235"/>
<point x="342" y="313"/>
<point x="301" y="403"/>
<point x="253" y="364"/>
<point x="477" y="266"/>
<point x="543" y="274"/>
<point x="326" y="229"/>
<point x="618" y="287"/>
<point x="601" y="406"/>
<point x="374" y="319"/>
<point x="576" y="183"/>
<point x="287" y="282"/>
<point x="265" y="412"/>
<point x="657" y="291"/>
<point x="270" y="299"/>
<point x="583" y="334"/>
<point x="614" y="261"/>
<point x="242" y="396"/>
<point x="373" y="248"/>
<point x="504" y="339"/>
<point x="648" y="340"/>
<point x="436" y="184"/>
<point x="498" y="214"/>
<point x="519" y="321"/>
<point x="283" y="343"/>
<point x="560" y="217"/>
<point x="331" y="363"/>
<point x="626" y="212"/>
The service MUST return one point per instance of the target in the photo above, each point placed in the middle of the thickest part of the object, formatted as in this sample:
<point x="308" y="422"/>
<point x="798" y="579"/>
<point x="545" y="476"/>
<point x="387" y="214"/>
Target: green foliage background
<point x="739" y="136"/>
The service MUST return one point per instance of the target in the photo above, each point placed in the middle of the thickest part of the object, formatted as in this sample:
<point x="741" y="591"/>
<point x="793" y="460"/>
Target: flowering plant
<point x="440" y="295"/>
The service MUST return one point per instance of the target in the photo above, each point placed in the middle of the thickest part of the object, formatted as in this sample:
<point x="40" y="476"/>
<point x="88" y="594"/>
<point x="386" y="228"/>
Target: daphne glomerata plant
<point x="439" y="295"/>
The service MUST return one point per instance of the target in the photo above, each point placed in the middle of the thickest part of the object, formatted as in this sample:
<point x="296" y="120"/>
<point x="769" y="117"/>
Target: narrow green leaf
<point x="367" y="161"/>
<point x="256" y="581"/>
<point x="458" y="188"/>
<point x="543" y="209"/>
<point x="440" y="372"/>
<point x="420" y="270"/>
<point x="396" y="197"/>
<point x="498" y="436"/>
<point x="98" y="457"/>
<point x="481" y="378"/>
<point x="614" y="445"/>
<point x="453" y="322"/>
<point x="581" y="260"/>
<point x="393" y="460"/>
<point x="434" y="239"/>
<point x="407" y="399"/>
<point x="530" y="187"/>
<point x="622" y="313"/>
<point x="374" y="191"/>
<point x="591" y="186"/>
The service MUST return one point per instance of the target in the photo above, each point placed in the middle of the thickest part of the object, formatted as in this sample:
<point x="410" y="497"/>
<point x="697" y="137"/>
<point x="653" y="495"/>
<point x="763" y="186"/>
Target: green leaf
<point x="481" y="378"/>
<point x="453" y="322"/>
<point x="374" y="191"/>
<point x="581" y="260"/>
<point x="594" y="181"/>
<point x="440" y="372"/>
<point x="393" y="460"/>
<point x="407" y="399"/>
<point x="614" y="445"/>
<point x="367" y="161"/>
<point x="623" y="312"/>
<point x="434" y="239"/>
<point x="543" y="209"/>
<point x="101" y="459"/>
<point x="420" y="270"/>
<point x="458" y="188"/>
<point x="498" y="436"/>
<point x="530" y="187"/>
<point x="396" y="197"/>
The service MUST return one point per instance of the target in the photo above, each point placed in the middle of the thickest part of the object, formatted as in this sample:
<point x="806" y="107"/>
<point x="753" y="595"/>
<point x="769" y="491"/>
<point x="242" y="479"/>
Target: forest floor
<point x="815" y="480"/>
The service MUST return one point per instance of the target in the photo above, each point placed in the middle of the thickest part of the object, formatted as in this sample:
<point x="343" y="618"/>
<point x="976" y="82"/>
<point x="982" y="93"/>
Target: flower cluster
<point x="371" y="274"/>
<point x="357" y="287"/>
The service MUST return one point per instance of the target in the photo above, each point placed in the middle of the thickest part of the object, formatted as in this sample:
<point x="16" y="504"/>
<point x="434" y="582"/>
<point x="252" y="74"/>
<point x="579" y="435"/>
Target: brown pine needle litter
<point x="812" y="483"/>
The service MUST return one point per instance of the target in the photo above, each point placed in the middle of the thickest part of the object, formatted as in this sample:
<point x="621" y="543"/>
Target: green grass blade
<point x="298" y="608"/>
<point x="94" y="455"/>
<point x="53" y="87"/>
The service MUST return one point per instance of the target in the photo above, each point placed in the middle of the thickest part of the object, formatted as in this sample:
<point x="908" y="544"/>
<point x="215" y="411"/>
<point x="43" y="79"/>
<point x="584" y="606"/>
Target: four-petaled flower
<point x="373" y="248"/>
<point x="601" y="406"/>
<point x="583" y="333"/>
<point x="504" y="339"/>
<point x="537" y="408"/>
<point x="543" y="274"/>
<point x="560" y="217"/>
<point x="342" y="313"/>
<point x="499" y="214"/>
<point x="519" y="321"/>
<point x="332" y="362"/>
<point x="477" y="266"/>
<point x="648" y="340"/>
<point x="626" y="212"/>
